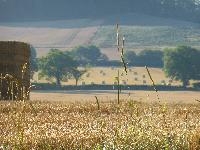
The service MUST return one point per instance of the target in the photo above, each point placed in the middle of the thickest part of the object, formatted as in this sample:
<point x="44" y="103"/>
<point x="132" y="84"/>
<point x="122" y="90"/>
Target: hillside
<point x="141" y="32"/>
<point x="37" y="10"/>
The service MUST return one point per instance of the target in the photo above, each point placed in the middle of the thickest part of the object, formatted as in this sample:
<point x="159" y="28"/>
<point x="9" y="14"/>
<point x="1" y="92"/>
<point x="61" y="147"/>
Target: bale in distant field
<point x="124" y="82"/>
<point x="163" y="82"/>
<point x="144" y="81"/>
<point x="14" y="70"/>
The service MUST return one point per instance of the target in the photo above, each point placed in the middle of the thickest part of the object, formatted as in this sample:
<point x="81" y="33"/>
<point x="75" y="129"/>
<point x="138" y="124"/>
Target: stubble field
<point x="107" y="75"/>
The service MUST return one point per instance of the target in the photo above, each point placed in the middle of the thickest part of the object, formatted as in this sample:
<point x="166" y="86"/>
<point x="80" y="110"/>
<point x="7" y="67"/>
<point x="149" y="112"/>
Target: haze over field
<point x="67" y="28"/>
<point x="115" y="74"/>
<point x="141" y="32"/>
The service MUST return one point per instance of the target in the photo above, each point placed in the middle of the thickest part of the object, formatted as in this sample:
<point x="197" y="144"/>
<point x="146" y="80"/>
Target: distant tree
<point x="88" y="55"/>
<point x="33" y="61"/>
<point x="64" y="9"/>
<point x="182" y="63"/>
<point x="77" y="74"/>
<point x="151" y="58"/>
<point x="56" y="64"/>
<point x="130" y="57"/>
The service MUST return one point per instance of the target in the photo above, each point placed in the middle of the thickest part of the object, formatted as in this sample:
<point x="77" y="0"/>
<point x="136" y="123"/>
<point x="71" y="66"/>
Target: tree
<point x="64" y="9"/>
<point x="33" y="61"/>
<point x="130" y="57"/>
<point x="88" y="55"/>
<point x="151" y="58"/>
<point x="77" y="74"/>
<point x="56" y="64"/>
<point x="182" y="63"/>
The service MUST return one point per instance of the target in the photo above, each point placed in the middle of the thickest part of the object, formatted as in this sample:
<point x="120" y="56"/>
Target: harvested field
<point x="46" y="38"/>
<point x="174" y="97"/>
<point x="136" y="76"/>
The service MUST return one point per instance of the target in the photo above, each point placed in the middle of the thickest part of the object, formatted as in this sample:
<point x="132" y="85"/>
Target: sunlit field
<point x="107" y="75"/>
<point x="100" y="75"/>
<point x="82" y="96"/>
<point x="129" y="125"/>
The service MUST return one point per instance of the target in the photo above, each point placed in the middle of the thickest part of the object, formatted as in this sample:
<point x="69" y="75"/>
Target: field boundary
<point x="47" y="86"/>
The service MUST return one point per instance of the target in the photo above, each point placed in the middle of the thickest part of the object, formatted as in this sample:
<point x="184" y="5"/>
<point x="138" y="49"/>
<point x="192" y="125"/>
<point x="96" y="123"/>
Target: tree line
<point x="25" y="10"/>
<point x="180" y="63"/>
<point x="62" y="65"/>
<point x="150" y="58"/>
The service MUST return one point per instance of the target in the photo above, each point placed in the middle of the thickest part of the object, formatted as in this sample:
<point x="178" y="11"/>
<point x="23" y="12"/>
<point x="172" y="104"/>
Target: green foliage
<point x="56" y="64"/>
<point x="34" y="9"/>
<point x="150" y="58"/>
<point x="88" y="55"/>
<point x="182" y="63"/>
<point x="130" y="57"/>
<point x="77" y="74"/>
<point x="33" y="61"/>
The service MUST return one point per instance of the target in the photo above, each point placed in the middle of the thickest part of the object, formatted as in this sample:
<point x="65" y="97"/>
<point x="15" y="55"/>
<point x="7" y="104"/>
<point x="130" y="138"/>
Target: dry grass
<point x="130" y="125"/>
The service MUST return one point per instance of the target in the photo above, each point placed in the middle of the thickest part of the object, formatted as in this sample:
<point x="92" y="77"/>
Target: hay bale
<point x="144" y="81"/>
<point x="124" y="82"/>
<point x="14" y="70"/>
<point x="115" y="83"/>
<point x="163" y="82"/>
<point x="88" y="75"/>
<point x="169" y="84"/>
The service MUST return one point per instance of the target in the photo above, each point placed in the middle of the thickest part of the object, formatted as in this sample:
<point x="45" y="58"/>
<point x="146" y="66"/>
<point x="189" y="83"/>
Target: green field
<point x="148" y="36"/>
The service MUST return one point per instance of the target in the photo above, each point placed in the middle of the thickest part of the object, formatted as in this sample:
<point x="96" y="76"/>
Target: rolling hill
<point x="141" y="32"/>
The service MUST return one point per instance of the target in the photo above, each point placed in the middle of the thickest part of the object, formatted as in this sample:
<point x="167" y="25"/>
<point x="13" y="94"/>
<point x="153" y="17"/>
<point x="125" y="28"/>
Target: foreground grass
<point x="130" y="125"/>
